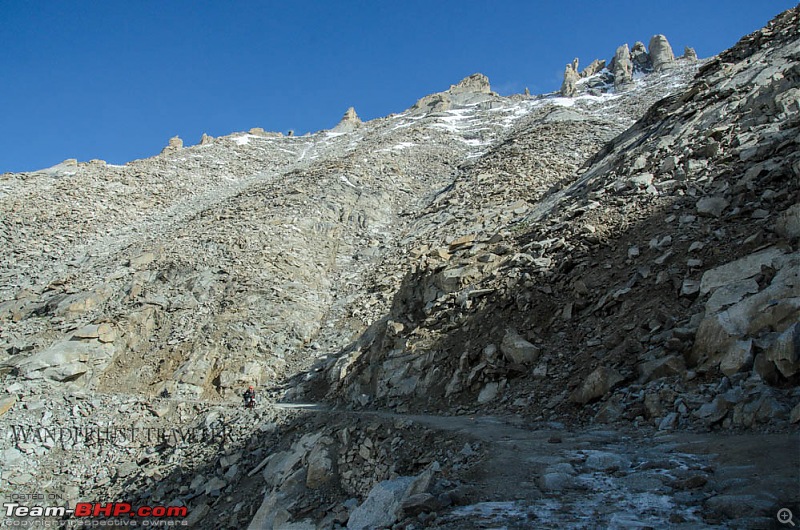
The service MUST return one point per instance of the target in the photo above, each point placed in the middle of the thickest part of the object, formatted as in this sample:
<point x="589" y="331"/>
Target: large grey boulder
<point x="661" y="52"/>
<point x="518" y="350"/>
<point x="788" y="222"/>
<point x="385" y="501"/>
<point x="320" y="467"/>
<point x="596" y="385"/>
<point x="66" y="361"/>
<point x="785" y="351"/>
<point x="741" y="269"/>
<point x="722" y="336"/>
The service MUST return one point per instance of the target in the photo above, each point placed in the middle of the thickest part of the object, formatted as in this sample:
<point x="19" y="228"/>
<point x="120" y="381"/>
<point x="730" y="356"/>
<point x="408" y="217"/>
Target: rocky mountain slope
<point x="506" y="309"/>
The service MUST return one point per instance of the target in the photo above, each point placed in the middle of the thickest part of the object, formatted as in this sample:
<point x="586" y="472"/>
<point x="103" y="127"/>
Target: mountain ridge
<point x="619" y="259"/>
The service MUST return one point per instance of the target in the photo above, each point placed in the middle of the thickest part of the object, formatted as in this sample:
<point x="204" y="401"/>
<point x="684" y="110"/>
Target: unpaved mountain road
<point x="546" y="476"/>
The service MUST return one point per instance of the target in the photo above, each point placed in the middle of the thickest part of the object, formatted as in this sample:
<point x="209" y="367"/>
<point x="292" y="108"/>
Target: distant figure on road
<point x="249" y="398"/>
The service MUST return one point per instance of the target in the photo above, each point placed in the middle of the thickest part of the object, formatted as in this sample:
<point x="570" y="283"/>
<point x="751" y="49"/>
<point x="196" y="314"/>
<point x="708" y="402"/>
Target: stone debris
<point x="601" y="278"/>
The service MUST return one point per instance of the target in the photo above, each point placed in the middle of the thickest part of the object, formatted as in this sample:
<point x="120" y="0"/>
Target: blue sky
<point x="116" y="79"/>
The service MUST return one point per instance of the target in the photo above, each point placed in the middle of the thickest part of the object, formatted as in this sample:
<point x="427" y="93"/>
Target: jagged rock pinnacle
<point x="661" y="53"/>
<point x="175" y="143"/>
<point x="622" y="67"/>
<point x="349" y="121"/>
<point x="571" y="77"/>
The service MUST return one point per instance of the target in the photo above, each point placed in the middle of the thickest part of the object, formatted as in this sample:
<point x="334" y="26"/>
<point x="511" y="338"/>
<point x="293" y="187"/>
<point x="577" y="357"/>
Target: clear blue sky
<point x="114" y="79"/>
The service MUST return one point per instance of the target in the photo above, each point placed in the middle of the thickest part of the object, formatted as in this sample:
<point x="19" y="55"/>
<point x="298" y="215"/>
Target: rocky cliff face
<point x="595" y="78"/>
<point x="666" y="256"/>
<point x="524" y="268"/>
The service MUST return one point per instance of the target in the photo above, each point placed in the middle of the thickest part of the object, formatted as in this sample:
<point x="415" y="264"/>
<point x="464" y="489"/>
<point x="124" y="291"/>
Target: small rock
<point x="488" y="393"/>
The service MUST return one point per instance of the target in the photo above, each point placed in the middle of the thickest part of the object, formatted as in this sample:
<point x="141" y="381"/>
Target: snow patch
<point x="244" y="139"/>
<point x="397" y="147"/>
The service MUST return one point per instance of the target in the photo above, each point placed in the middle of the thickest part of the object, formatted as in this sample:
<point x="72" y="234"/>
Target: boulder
<point x="661" y="53"/>
<point x="689" y="54"/>
<point x="518" y="350"/>
<point x="662" y="367"/>
<point x="788" y="222"/>
<point x="606" y="462"/>
<point x="488" y="393"/>
<point x="712" y="206"/>
<point x="384" y="503"/>
<point x="65" y="361"/>
<point x="438" y="102"/>
<point x="714" y="411"/>
<point x="6" y="403"/>
<point x="739" y="506"/>
<point x="320" y="469"/>
<point x="739" y="357"/>
<point x="103" y="332"/>
<point x="558" y="481"/>
<point x="774" y="308"/>
<point x="785" y="351"/>
<point x="420" y="503"/>
<point x="741" y="269"/>
<point x="596" y="385"/>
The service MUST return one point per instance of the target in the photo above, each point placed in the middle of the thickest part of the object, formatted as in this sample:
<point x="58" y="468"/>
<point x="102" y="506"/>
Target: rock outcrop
<point x="625" y="63"/>
<point x="471" y="90"/>
<point x="661" y="53"/>
<point x="175" y="144"/>
<point x="475" y="83"/>
<point x="571" y="77"/>
<point x="622" y="67"/>
<point x="640" y="58"/>
<point x="349" y="122"/>
<point x="595" y="67"/>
